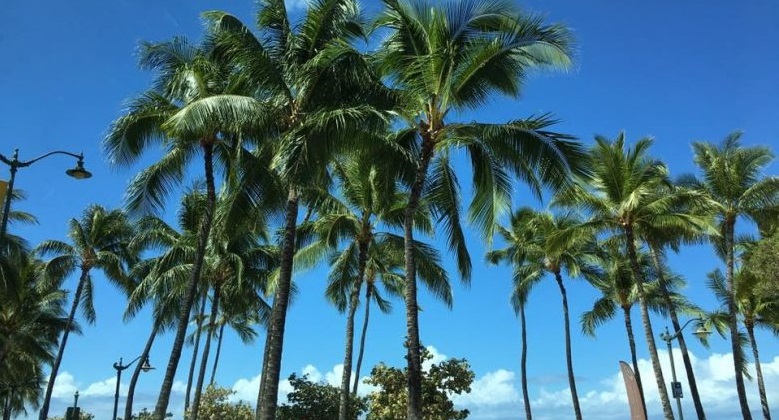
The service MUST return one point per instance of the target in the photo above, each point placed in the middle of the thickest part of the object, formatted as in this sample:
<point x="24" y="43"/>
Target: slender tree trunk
<point x="648" y="333"/>
<point x="346" y="376"/>
<point x="696" y="398"/>
<point x="218" y="353"/>
<point x="195" y="349"/>
<point x="735" y="345"/>
<point x="189" y="297"/>
<point x="7" y="406"/>
<point x="634" y="354"/>
<point x="128" y="405"/>
<point x="414" y="381"/>
<point x="568" y="354"/>
<point x="759" y="371"/>
<point x="44" y="413"/>
<point x="263" y="374"/>
<point x="278" y="317"/>
<point x="523" y="363"/>
<point x="206" y="350"/>
<point x="362" y="338"/>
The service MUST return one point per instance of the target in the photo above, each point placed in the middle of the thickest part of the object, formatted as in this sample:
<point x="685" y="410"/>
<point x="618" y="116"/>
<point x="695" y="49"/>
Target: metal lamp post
<point x="145" y="366"/>
<point x="14" y="163"/>
<point x="676" y="387"/>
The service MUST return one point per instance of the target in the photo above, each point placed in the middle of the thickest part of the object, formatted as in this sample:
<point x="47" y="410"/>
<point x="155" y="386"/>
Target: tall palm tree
<point x="100" y="240"/>
<point x="732" y="179"/>
<point x="193" y="107"/>
<point x="627" y="194"/>
<point x="514" y="255"/>
<point x="754" y="309"/>
<point x="550" y="243"/>
<point x="448" y="58"/>
<point x="31" y="322"/>
<point x="619" y="291"/>
<point x="316" y="90"/>
<point x="367" y="199"/>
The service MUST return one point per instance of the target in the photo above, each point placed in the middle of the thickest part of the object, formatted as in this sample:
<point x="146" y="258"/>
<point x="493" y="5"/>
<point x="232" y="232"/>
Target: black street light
<point x="14" y="163"/>
<point x="145" y="366"/>
<point x="676" y="387"/>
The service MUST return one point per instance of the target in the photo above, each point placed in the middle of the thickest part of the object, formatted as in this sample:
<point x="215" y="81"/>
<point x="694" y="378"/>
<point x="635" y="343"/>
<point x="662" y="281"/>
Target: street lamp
<point x="14" y="163"/>
<point x="145" y="366"/>
<point x="676" y="387"/>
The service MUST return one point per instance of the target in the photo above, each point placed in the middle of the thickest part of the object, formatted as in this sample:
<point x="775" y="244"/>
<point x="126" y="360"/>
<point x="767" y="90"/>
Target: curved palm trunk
<point x="195" y="350"/>
<point x="696" y="398"/>
<point x="523" y="363"/>
<point x="189" y="297"/>
<point x="206" y="349"/>
<point x="368" y="293"/>
<point x="568" y="356"/>
<point x="128" y="405"/>
<point x="343" y="402"/>
<point x="218" y="352"/>
<point x="735" y="345"/>
<point x="44" y="413"/>
<point x="414" y="381"/>
<point x="634" y="355"/>
<point x="263" y="374"/>
<point x="278" y="317"/>
<point x="648" y="333"/>
<point x="760" y="384"/>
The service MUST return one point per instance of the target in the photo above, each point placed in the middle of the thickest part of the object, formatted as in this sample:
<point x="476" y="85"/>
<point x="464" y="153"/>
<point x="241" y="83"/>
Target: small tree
<point x="215" y="406"/>
<point x="453" y="376"/>
<point x="316" y="401"/>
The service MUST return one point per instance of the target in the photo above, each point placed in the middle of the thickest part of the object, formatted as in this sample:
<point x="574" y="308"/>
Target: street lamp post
<point x="14" y="163"/>
<point x="676" y="387"/>
<point x="119" y="368"/>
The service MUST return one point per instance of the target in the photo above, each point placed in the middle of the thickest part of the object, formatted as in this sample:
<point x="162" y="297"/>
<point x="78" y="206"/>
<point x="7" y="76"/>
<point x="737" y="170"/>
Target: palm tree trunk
<point x="128" y="405"/>
<point x="368" y="293"/>
<point x="278" y="317"/>
<point x="414" y="381"/>
<point x="738" y="361"/>
<point x="206" y="349"/>
<point x="189" y="297"/>
<point x="346" y="376"/>
<point x="523" y="363"/>
<point x="648" y="333"/>
<point x="760" y="384"/>
<point x="218" y="352"/>
<point x="195" y="349"/>
<point x="696" y="398"/>
<point x="634" y="355"/>
<point x="7" y="406"/>
<point x="44" y="413"/>
<point x="568" y="356"/>
<point x="263" y="374"/>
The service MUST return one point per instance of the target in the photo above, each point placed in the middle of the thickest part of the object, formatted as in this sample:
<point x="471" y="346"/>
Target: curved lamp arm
<point x="668" y="337"/>
<point x="16" y="163"/>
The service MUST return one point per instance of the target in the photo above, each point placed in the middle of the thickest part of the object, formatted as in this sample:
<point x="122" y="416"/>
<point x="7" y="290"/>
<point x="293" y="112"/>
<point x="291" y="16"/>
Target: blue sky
<point x="677" y="71"/>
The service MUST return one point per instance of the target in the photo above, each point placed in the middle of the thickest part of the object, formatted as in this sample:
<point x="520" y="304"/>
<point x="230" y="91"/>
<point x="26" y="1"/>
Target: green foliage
<point x="763" y="262"/>
<point x="215" y="406"/>
<point x="316" y="401"/>
<point x="452" y="376"/>
<point x="83" y="416"/>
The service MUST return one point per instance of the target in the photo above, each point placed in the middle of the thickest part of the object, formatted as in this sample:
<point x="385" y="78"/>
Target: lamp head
<point x="79" y="172"/>
<point x="702" y="332"/>
<point x="146" y="366"/>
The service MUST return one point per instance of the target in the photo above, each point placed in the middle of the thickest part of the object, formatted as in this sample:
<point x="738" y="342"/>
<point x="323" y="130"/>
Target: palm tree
<point x="732" y="181"/>
<point x="628" y="194"/>
<point x="31" y="321"/>
<point x="619" y="291"/>
<point x="549" y="243"/>
<point x="519" y="295"/>
<point x="100" y="240"/>
<point x="194" y="106"/>
<point x="315" y="90"/>
<point x="448" y="58"/>
<point x="754" y="310"/>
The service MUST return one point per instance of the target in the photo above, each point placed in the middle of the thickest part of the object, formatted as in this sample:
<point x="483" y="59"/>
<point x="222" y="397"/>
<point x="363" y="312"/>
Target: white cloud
<point x="64" y="385"/>
<point x="104" y="388"/>
<point x="438" y="357"/>
<point x="494" y="388"/>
